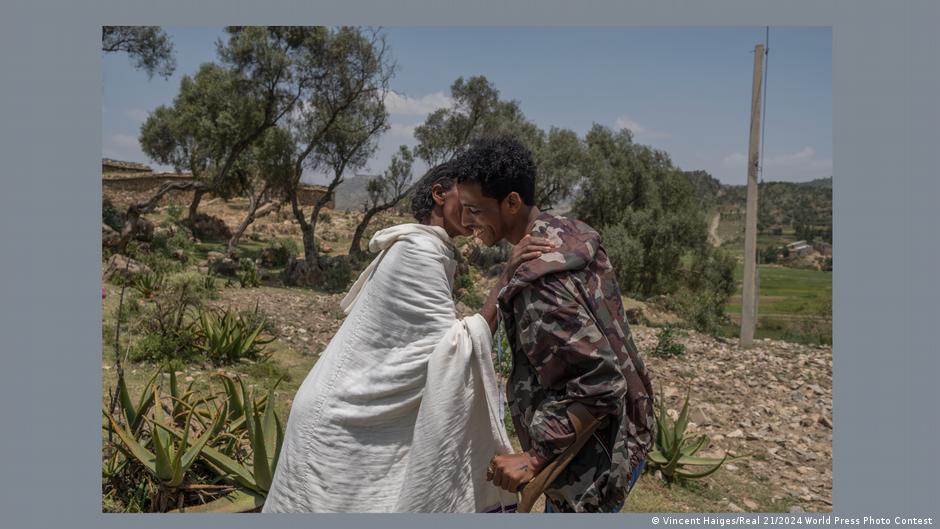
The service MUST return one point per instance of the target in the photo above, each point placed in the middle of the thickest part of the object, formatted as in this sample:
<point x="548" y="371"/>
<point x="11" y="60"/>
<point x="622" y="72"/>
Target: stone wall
<point x="127" y="189"/>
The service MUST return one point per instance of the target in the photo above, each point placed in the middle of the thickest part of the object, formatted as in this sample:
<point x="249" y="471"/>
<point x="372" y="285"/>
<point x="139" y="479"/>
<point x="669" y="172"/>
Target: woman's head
<point x="434" y="200"/>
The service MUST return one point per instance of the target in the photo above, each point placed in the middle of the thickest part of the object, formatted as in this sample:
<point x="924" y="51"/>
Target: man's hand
<point x="512" y="471"/>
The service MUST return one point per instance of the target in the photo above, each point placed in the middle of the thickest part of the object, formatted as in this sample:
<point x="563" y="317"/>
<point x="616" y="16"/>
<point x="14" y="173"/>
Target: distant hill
<point x="819" y="182"/>
<point x="784" y="203"/>
<point x="352" y="194"/>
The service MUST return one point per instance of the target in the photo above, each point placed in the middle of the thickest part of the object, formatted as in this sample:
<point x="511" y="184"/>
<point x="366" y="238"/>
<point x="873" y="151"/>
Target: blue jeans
<point x="617" y="508"/>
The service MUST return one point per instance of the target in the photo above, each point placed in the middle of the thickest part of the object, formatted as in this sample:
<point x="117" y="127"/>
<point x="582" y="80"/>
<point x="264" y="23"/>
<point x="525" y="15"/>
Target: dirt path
<point x="713" y="230"/>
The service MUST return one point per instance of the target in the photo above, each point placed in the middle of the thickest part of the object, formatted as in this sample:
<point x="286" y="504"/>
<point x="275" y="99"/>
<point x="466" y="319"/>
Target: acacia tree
<point x="183" y="135"/>
<point x="148" y="46"/>
<point x="267" y="173"/>
<point x="335" y="127"/>
<point x="384" y="193"/>
<point x="477" y="111"/>
<point x="647" y="212"/>
<point x="220" y="114"/>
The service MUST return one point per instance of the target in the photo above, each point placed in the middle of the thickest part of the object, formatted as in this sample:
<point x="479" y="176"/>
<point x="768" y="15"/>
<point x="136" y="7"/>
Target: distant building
<point x="799" y="248"/>
<point x="118" y="176"/>
<point x="118" y="167"/>
<point x="309" y="194"/>
<point x="823" y="247"/>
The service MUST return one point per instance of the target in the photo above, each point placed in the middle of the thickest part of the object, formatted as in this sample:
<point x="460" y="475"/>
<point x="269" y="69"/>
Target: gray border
<point x="886" y="137"/>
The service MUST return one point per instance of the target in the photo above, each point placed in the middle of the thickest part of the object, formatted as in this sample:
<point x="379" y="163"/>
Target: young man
<point x="569" y="337"/>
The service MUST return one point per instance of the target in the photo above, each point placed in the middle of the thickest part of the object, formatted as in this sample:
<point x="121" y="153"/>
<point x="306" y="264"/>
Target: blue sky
<point x="684" y="90"/>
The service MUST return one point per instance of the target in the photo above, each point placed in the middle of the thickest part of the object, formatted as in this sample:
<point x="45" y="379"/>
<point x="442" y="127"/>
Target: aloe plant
<point x="226" y="337"/>
<point x="168" y="462"/>
<point x="265" y="436"/>
<point x="674" y="452"/>
<point x="148" y="284"/>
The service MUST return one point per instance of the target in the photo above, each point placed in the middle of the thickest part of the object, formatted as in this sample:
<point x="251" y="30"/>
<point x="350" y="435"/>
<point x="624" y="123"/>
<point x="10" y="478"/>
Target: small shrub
<point x="174" y="212"/>
<point x="325" y="217"/>
<point x="248" y="275"/>
<point x="111" y="216"/>
<point x="484" y="257"/>
<point x="278" y="252"/>
<point x="667" y="346"/>
<point x="703" y="311"/>
<point x="160" y="348"/>
<point x="168" y="242"/>
<point x="337" y="275"/>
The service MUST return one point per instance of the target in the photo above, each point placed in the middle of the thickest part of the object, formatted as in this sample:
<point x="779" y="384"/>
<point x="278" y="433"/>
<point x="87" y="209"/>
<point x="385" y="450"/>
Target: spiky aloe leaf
<point x="237" y="501"/>
<point x="270" y="427"/>
<point x="161" y="451"/>
<point x="694" y="446"/>
<point x="683" y="421"/>
<point x="225" y="466"/>
<point x="135" y="449"/>
<point x="259" y="454"/>
<point x="685" y="474"/>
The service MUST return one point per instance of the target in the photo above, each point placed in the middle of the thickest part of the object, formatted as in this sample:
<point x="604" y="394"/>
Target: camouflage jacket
<point x="571" y="343"/>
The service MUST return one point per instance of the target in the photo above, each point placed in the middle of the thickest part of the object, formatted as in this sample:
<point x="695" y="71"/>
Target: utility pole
<point x="749" y="300"/>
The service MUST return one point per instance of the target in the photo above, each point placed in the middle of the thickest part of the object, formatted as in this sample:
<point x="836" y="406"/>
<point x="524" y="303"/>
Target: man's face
<point x="450" y="210"/>
<point x="483" y="215"/>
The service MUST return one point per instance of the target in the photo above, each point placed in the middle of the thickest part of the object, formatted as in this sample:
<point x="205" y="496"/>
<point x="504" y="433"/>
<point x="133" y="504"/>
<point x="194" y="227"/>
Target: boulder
<point x="109" y="236"/>
<point x="144" y="230"/>
<point x="120" y="266"/>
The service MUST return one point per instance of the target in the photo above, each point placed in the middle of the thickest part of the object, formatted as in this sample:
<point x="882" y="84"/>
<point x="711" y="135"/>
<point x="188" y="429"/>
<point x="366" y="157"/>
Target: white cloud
<point x="136" y="114"/>
<point x="626" y="122"/>
<point x="734" y="161"/>
<point x="402" y="104"/>
<point x="798" y="166"/>
<point x="402" y="130"/>
<point x="124" y="141"/>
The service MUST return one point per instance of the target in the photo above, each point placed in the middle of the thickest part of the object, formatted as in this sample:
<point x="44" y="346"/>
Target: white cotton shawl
<point x="399" y="413"/>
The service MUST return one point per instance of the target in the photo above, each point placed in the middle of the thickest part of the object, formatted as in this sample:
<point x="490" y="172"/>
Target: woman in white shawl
<point x="399" y="413"/>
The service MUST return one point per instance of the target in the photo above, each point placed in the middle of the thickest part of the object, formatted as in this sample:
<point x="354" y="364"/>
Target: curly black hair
<point x="422" y="202"/>
<point x="501" y="165"/>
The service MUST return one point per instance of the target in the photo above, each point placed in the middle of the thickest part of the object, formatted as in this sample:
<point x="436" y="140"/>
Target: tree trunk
<point x="194" y="205"/>
<point x="135" y="211"/>
<point x="356" y="247"/>
<point x="253" y="205"/>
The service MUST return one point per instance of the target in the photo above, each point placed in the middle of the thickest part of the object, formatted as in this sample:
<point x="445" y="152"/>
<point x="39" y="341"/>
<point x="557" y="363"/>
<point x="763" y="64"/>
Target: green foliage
<point x="484" y="257"/>
<point x="148" y="47"/>
<point x="666" y="344"/>
<point x="164" y="349"/>
<point x="111" y="216"/>
<point x="674" y="451"/>
<point x="249" y="276"/>
<point x="175" y="212"/>
<point x="227" y="337"/>
<point x="148" y="284"/>
<point x="704" y="310"/>
<point x="278" y="252"/>
<point x="167" y="242"/>
<point x="337" y="275"/>
<point x="476" y="112"/>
